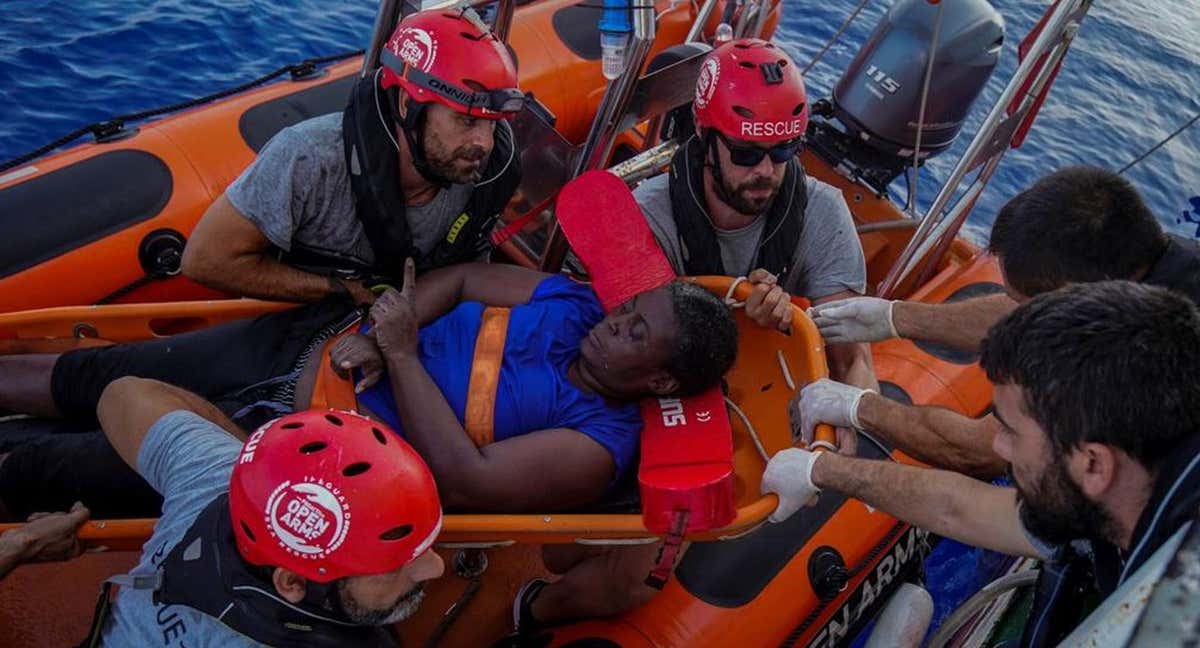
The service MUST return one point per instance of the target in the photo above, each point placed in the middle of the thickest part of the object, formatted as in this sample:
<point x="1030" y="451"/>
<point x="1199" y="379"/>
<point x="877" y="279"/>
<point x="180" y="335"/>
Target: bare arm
<point x="494" y="284"/>
<point x="129" y="407"/>
<point x="543" y="470"/>
<point x="46" y="537"/>
<point x="228" y="252"/>
<point x="547" y="469"/>
<point x="962" y="325"/>
<point x="943" y="502"/>
<point x="935" y="435"/>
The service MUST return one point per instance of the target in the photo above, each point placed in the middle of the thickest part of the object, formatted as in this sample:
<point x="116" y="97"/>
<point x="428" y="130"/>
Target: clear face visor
<point x="479" y="103"/>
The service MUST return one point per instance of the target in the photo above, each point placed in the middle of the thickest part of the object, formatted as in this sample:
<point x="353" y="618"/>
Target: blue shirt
<point x="188" y="460"/>
<point x="533" y="392"/>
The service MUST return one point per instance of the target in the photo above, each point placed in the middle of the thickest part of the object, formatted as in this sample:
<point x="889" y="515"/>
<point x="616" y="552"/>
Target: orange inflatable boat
<point x="814" y="580"/>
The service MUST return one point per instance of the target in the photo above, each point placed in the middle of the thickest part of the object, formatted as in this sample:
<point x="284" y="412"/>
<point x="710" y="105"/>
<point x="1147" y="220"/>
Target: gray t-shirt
<point x="297" y="192"/>
<point x="829" y="256"/>
<point x="188" y="460"/>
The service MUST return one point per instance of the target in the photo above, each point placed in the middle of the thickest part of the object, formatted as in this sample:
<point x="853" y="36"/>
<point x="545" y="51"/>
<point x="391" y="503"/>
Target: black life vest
<point x="1173" y="502"/>
<point x="374" y="168"/>
<point x="1178" y="268"/>
<point x="697" y="238"/>
<point x="205" y="572"/>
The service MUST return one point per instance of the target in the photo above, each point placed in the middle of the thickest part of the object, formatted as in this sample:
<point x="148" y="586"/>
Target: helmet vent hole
<point x="746" y="113"/>
<point x="379" y="436"/>
<point x="799" y="109"/>
<point x="333" y="419"/>
<point x="294" y="425"/>
<point x="783" y="63"/>
<point x="313" y="446"/>
<point x="247" y="531"/>
<point x="746" y="64"/>
<point x="396" y="533"/>
<point x="471" y="36"/>
<point x="356" y="469"/>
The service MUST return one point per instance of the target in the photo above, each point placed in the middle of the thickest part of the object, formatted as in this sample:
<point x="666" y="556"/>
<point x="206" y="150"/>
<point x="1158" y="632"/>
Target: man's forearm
<point x="15" y="547"/>
<point x="939" y="437"/>
<point x="940" y="501"/>
<point x="262" y="277"/>
<point x="962" y="325"/>
<point x="852" y="364"/>
<point x="432" y="428"/>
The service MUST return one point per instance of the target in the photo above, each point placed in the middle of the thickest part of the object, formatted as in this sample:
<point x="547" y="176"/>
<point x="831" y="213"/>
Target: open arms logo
<point x="706" y="83"/>
<point x="416" y="47"/>
<point x="310" y="519"/>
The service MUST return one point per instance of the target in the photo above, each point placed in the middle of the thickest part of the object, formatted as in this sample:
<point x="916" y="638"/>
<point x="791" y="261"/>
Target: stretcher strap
<point x="331" y="391"/>
<point x="480" y="413"/>
<point x="669" y="552"/>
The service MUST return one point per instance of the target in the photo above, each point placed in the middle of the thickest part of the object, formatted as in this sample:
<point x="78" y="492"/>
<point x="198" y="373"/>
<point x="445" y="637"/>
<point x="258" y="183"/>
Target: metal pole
<point x="647" y="163"/>
<point x="701" y="18"/>
<point x="504" y="16"/>
<point x="604" y="128"/>
<point x="1050" y="34"/>
<point x="764" y="10"/>
<point x="385" y="21"/>
<point x="916" y="161"/>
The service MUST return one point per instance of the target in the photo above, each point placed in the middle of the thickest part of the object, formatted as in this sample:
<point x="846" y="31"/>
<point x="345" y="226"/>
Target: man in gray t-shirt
<point x="299" y="563"/>
<point x="419" y="164"/>
<point x="737" y="201"/>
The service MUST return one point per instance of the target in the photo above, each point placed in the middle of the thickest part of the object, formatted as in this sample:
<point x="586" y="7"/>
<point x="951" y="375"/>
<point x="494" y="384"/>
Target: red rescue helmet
<point x="750" y="90"/>
<point x="330" y="494"/>
<point x="452" y="57"/>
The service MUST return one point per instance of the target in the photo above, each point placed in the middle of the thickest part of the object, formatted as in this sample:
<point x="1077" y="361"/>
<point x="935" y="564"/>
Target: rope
<point x="762" y="450"/>
<point x="916" y="159"/>
<point x="841" y="30"/>
<point x="114" y="125"/>
<point x="729" y="300"/>
<point x="1154" y="148"/>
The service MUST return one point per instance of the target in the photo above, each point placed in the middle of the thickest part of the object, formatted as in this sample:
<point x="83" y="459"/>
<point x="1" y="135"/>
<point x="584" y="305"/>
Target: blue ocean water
<point x="1130" y="79"/>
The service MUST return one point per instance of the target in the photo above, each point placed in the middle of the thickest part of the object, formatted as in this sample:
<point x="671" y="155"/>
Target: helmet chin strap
<point x="710" y="146"/>
<point x="412" y="125"/>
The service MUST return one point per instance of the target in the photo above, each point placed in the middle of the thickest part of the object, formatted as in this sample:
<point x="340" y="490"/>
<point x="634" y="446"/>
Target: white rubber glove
<point x="857" y="319"/>
<point x="789" y="475"/>
<point x="825" y="401"/>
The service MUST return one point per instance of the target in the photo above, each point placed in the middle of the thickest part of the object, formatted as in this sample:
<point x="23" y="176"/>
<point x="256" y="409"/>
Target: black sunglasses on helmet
<point x="748" y="156"/>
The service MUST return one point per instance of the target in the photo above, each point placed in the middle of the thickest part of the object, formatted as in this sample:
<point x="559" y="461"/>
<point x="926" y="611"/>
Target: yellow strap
<point x="480" y="413"/>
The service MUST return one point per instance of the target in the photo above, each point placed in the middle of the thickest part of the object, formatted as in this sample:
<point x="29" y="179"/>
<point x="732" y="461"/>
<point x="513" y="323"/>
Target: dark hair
<point x="1112" y="362"/>
<point x="706" y="338"/>
<point x="1075" y="225"/>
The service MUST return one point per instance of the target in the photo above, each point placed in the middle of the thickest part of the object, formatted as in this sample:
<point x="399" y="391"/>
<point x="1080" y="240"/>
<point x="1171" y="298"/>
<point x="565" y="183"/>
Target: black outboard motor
<point x="878" y="98"/>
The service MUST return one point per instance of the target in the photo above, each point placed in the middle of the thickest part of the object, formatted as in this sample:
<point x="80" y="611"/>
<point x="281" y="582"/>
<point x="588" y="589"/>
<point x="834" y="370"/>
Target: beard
<point x="341" y="601"/>
<point x="738" y="196"/>
<point x="454" y="165"/>
<point x="1056" y="510"/>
